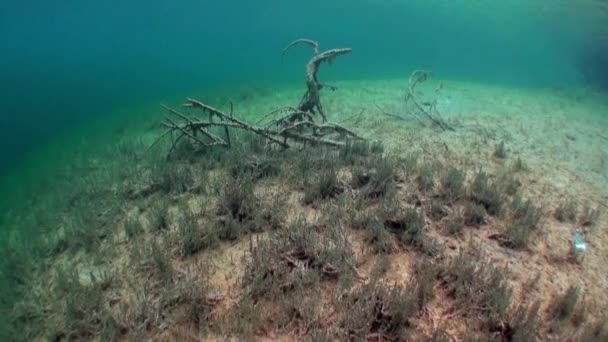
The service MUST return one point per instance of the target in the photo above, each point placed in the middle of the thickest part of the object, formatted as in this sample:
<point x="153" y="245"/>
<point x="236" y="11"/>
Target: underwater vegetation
<point x="289" y="227"/>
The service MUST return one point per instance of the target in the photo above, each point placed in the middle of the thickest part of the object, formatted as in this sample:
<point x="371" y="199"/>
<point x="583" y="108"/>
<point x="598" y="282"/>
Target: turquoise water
<point x="65" y="62"/>
<point x="79" y="66"/>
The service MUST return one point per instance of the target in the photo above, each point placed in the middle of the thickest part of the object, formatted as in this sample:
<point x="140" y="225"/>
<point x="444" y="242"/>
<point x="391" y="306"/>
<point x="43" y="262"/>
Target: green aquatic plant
<point x="525" y="322"/>
<point x="193" y="237"/>
<point x="83" y="304"/>
<point x="158" y="214"/>
<point x="487" y="194"/>
<point x="519" y="165"/>
<point x="132" y="228"/>
<point x="275" y="261"/>
<point x="408" y="226"/>
<point x="381" y="177"/>
<point x="563" y="306"/>
<point x="172" y="177"/>
<point x="236" y="198"/>
<point x="566" y="211"/>
<point x="426" y="181"/>
<point x="325" y="186"/>
<point x="382" y="241"/>
<point x="500" y="151"/>
<point x="454" y="225"/>
<point x="474" y="214"/>
<point x="588" y="216"/>
<point x="272" y="212"/>
<point x="438" y="211"/>
<point x="524" y="222"/>
<point x="452" y="184"/>
<point x="152" y="257"/>
<point x="376" y="308"/>
<point x="409" y="164"/>
<point x="476" y="284"/>
<point x="353" y="152"/>
<point x="596" y="331"/>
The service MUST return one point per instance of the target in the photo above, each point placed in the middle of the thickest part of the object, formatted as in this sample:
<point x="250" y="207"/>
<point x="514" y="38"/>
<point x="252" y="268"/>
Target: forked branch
<point x="311" y="101"/>
<point x="425" y="109"/>
<point x="295" y="127"/>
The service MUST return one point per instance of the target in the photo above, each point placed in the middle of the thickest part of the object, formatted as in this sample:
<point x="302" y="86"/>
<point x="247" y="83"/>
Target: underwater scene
<point x="320" y="170"/>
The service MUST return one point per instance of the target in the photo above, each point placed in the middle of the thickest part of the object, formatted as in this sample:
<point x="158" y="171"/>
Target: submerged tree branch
<point x="311" y="101"/>
<point x="295" y="125"/>
<point x="427" y="109"/>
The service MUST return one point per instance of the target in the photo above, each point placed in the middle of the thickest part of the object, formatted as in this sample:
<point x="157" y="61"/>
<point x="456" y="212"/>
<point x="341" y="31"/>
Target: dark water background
<point x="65" y="62"/>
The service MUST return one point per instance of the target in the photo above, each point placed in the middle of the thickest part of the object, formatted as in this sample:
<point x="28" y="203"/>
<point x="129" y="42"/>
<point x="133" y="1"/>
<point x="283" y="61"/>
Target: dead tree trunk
<point x="311" y="101"/>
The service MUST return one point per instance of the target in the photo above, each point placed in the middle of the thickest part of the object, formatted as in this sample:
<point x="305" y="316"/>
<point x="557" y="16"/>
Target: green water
<point x="77" y="75"/>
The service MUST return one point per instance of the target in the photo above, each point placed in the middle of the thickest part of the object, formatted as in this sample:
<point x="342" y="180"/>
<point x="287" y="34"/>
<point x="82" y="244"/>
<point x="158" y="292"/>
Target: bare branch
<point x="310" y="42"/>
<point x="420" y="76"/>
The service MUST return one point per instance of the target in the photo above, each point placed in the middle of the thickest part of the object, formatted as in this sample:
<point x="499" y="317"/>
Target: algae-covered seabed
<point x="559" y="134"/>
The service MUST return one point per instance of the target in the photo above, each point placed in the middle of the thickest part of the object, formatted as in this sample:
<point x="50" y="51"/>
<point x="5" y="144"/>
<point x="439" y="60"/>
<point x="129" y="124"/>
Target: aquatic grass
<point x="474" y="214"/>
<point x="173" y="177"/>
<point x="298" y="249"/>
<point x="82" y="234"/>
<point x="409" y="164"/>
<point x="509" y="184"/>
<point x="475" y="284"/>
<point x="426" y="181"/>
<point x="272" y="212"/>
<point x="236" y="198"/>
<point x="589" y="216"/>
<point x="376" y="308"/>
<point x="355" y="151"/>
<point x="487" y="194"/>
<point x="452" y="184"/>
<point x="500" y="151"/>
<point x="524" y="222"/>
<point x="152" y="257"/>
<point x="594" y="331"/>
<point x="132" y="228"/>
<point x="454" y="225"/>
<point x="563" y="306"/>
<point x="192" y="237"/>
<point x="323" y="187"/>
<point x="158" y="214"/>
<point x="519" y="165"/>
<point x="408" y="226"/>
<point x="382" y="241"/>
<point x="437" y="210"/>
<point x="526" y="322"/>
<point x="83" y="306"/>
<point x="381" y="177"/>
<point x="566" y="211"/>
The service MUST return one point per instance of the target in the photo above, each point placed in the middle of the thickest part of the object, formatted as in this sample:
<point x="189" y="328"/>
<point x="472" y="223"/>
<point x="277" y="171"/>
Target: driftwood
<point x="294" y="125"/>
<point x="311" y="101"/>
<point x="425" y="109"/>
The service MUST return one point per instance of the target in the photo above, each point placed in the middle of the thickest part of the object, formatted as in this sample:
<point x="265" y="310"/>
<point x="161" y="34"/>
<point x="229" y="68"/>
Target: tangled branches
<point x="311" y="101"/>
<point x="294" y="126"/>
<point x="425" y="109"/>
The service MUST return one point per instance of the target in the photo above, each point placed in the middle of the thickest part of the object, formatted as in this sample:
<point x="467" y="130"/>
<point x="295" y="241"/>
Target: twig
<point x="420" y="76"/>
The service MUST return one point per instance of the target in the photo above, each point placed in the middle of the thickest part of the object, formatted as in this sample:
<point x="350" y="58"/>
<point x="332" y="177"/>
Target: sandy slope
<point x="560" y="134"/>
